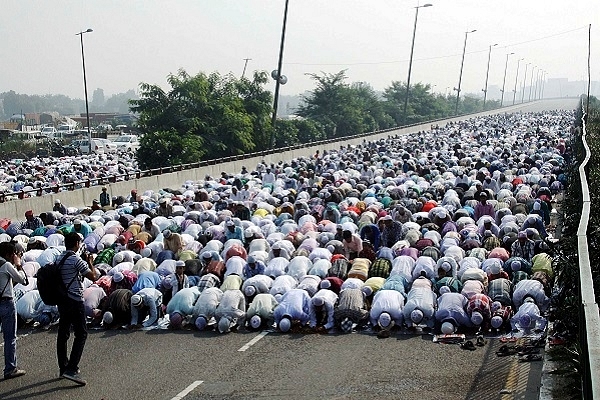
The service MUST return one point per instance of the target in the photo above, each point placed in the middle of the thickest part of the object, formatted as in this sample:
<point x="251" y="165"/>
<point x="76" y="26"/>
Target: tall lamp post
<point x="279" y="79"/>
<point x="516" y="78"/>
<point x="540" y="80"/>
<point x="412" y="48"/>
<point x="537" y="81"/>
<point x="544" y="84"/>
<point x="531" y="81"/>
<point x="524" y="80"/>
<point x="462" y="63"/>
<point x="487" y="73"/>
<point x="87" y="110"/>
<point x="504" y="80"/>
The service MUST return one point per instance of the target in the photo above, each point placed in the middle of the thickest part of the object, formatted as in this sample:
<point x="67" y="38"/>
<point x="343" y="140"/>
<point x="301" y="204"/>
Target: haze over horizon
<point x="143" y="41"/>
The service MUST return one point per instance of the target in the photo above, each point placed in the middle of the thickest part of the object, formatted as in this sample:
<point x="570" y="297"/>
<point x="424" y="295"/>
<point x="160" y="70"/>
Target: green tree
<point x="209" y="107"/>
<point x="171" y="146"/>
<point x="335" y="106"/>
<point x="309" y="131"/>
<point x="286" y="133"/>
<point x="258" y="104"/>
<point x="423" y="105"/>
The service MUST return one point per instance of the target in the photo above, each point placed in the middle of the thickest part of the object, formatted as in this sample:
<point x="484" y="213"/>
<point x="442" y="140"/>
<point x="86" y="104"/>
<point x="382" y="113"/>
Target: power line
<point x="438" y="57"/>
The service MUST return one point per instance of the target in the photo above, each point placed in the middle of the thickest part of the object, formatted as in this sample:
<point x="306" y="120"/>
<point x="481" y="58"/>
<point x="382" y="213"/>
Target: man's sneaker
<point x="15" y="374"/>
<point x="62" y="372"/>
<point x="75" y="377"/>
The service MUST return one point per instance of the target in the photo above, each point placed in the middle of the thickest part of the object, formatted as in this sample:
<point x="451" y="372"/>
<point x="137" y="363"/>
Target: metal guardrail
<point x="589" y="312"/>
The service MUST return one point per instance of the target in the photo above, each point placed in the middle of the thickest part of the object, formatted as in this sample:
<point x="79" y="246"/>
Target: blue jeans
<point x="8" y="319"/>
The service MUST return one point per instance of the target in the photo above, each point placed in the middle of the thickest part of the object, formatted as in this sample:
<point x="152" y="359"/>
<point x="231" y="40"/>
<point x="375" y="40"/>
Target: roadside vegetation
<point x="212" y="116"/>
<point x="567" y="313"/>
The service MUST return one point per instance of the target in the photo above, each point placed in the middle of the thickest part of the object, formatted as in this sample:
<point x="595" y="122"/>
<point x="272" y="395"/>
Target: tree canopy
<point x="218" y="115"/>
<point x="213" y="116"/>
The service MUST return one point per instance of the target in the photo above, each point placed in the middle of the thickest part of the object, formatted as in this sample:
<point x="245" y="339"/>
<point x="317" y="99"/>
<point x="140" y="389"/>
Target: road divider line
<point x="253" y="341"/>
<point x="187" y="390"/>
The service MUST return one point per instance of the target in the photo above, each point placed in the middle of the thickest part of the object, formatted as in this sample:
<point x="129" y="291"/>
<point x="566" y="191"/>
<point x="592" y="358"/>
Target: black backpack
<point x="50" y="283"/>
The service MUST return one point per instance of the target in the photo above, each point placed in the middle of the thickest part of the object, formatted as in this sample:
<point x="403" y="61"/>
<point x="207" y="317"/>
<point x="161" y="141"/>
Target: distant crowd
<point x="46" y="173"/>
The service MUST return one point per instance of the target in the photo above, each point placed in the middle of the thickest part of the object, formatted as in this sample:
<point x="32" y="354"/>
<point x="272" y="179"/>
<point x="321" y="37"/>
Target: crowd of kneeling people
<point x="445" y="230"/>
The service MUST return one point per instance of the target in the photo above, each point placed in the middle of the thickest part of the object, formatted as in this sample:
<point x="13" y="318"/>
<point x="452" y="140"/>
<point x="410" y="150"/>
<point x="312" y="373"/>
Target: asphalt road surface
<point x="164" y="364"/>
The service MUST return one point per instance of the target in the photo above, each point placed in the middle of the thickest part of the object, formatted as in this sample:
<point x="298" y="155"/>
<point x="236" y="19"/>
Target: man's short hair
<point x="71" y="240"/>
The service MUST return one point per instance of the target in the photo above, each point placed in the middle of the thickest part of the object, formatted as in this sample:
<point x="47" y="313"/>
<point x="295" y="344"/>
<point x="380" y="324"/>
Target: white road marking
<point x="187" y="390"/>
<point x="253" y="341"/>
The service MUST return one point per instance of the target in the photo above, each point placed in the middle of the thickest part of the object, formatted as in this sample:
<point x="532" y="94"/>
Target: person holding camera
<point x="10" y="272"/>
<point x="72" y="309"/>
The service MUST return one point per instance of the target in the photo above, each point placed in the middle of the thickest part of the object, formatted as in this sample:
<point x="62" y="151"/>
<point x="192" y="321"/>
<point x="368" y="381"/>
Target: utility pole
<point x="245" y="65"/>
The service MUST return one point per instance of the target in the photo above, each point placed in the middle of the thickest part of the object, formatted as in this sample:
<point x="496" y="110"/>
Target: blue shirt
<point x="249" y="272"/>
<point x="147" y="279"/>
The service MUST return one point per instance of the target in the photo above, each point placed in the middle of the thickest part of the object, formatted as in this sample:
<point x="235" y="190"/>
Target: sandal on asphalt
<point x="505" y="351"/>
<point x="528" y="350"/>
<point x="468" y="345"/>
<point x="531" y="357"/>
<point x="537" y="343"/>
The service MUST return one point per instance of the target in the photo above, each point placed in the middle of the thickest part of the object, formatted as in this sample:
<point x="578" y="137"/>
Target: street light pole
<point x="531" y="81"/>
<point x="544" y="83"/>
<point x="537" y="80"/>
<point x="516" y="78"/>
<point x="540" y="80"/>
<point x="487" y="73"/>
<point x="278" y="79"/>
<point x="412" y="48"/>
<point x="462" y="63"/>
<point x="524" y="80"/>
<point x="87" y="109"/>
<point x="504" y="80"/>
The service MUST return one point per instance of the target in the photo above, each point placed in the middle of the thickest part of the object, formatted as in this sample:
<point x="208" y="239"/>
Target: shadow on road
<point x="41" y="389"/>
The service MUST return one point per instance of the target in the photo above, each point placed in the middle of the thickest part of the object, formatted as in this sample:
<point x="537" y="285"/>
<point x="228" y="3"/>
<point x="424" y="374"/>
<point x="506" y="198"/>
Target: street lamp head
<point x="427" y="5"/>
<point x="510" y="54"/>
<point x="86" y="31"/>
<point x="474" y="30"/>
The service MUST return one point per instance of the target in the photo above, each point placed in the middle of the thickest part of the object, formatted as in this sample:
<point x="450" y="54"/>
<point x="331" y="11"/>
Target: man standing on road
<point x="10" y="271"/>
<point x="72" y="309"/>
<point x="104" y="197"/>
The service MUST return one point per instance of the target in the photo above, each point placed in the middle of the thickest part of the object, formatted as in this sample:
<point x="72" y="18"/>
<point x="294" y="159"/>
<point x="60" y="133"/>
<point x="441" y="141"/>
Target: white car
<point x="109" y="147"/>
<point x="127" y="143"/>
<point x="48" y="131"/>
<point x="84" y="146"/>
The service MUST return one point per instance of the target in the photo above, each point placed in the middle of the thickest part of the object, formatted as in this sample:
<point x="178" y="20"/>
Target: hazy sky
<point x="144" y="40"/>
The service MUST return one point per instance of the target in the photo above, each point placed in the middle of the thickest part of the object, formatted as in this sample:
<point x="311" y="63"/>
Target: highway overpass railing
<point x="589" y="325"/>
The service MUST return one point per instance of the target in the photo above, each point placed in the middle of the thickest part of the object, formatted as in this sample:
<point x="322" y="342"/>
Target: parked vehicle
<point x="109" y="147"/>
<point x="84" y="146"/>
<point x="127" y="143"/>
<point x="56" y="149"/>
<point x="65" y="130"/>
<point x="48" y="131"/>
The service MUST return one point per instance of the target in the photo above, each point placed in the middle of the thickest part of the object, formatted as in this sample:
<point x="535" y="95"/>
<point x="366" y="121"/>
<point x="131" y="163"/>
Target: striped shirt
<point x="72" y="271"/>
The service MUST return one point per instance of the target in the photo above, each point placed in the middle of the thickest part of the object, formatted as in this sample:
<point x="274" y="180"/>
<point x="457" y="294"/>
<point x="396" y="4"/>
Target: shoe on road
<point x="15" y="374"/>
<point x="75" y="377"/>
